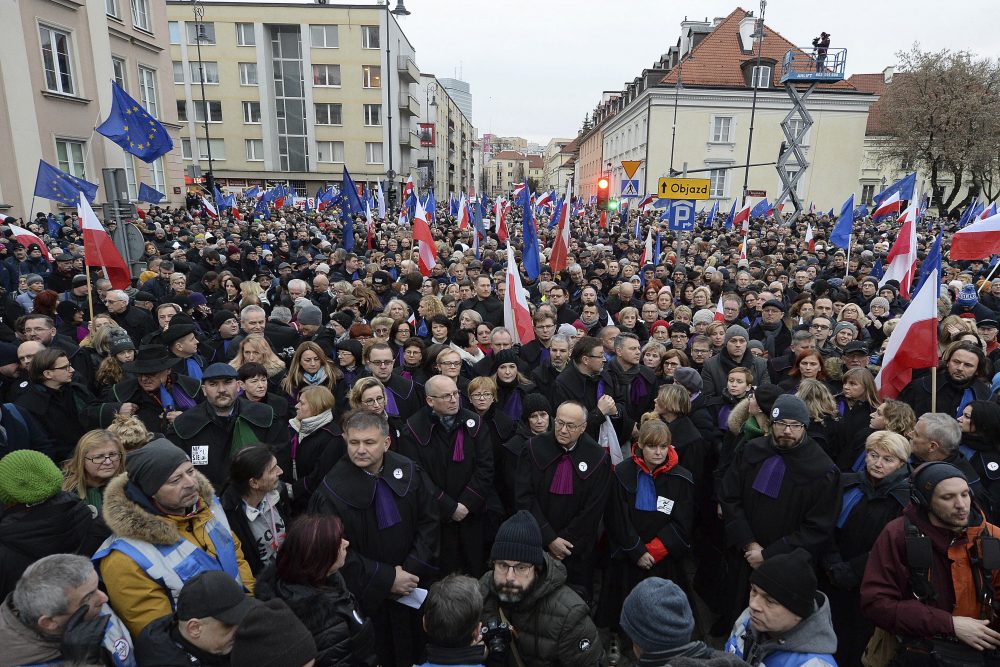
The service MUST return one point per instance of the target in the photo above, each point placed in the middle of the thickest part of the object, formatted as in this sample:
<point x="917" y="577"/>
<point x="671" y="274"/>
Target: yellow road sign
<point x="630" y="167"/>
<point x="683" y="188"/>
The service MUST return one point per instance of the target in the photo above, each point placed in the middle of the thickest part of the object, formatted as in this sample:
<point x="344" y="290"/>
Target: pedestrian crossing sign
<point x="630" y="188"/>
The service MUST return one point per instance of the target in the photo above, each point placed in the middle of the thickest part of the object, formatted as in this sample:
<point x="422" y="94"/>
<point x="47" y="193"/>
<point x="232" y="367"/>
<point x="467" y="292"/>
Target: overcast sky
<point x="536" y="67"/>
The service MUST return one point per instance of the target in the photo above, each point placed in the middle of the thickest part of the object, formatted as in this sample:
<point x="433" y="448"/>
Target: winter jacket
<point x="715" y="372"/>
<point x="553" y="624"/>
<point x="161" y="645"/>
<point x="130" y="514"/>
<point x="692" y="654"/>
<point x="810" y="643"/>
<point x="917" y="394"/>
<point x="331" y="614"/>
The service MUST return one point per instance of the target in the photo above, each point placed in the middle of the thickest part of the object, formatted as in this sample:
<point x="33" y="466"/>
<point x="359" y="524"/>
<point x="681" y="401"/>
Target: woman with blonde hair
<point x="310" y="367"/>
<point x="130" y="431"/>
<point x="894" y="416"/>
<point x="317" y="444"/>
<point x="950" y="329"/>
<point x="397" y="310"/>
<point x="429" y="306"/>
<point x="823" y="412"/>
<point x="855" y="402"/>
<point x="851" y="312"/>
<point x="673" y="406"/>
<point x="98" y="457"/>
<point x="255" y="349"/>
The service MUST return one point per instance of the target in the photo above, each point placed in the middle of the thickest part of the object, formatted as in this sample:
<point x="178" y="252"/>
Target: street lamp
<point x="400" y="10"/>
<point x="199" y="14"/>
<point x="428" y="103"/>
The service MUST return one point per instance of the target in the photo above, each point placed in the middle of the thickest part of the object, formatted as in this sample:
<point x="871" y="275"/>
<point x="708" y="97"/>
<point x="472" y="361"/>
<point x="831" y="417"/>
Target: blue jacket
<point x="811" y="643"/>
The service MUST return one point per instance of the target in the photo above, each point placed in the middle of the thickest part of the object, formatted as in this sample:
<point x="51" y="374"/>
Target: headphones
<point x="921" y="488"/>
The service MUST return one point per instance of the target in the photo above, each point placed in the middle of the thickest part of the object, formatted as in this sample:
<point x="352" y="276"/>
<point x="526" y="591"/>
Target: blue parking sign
<point x="681" y="217"/>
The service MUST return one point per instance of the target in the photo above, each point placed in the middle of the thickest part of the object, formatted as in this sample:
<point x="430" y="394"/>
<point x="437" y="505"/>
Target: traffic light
<point x="612" y="204"/>
<point x="603" y="185"/>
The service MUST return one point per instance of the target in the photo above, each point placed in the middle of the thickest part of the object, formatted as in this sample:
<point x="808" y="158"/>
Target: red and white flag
<point x="502" y="207"/>
<point x="209" y="209"/>
<point x="560" y="244"/>
<point x="901" y="263"/>
<point x="976" y="241"/>
<point x="427" y="258"/>
<point x="26" y="238"/>
<point x="890" y="204"/>
<point x="517" y="188"/>
<point x="742" y="219"/>
<point x="98" y="249"/>
<point x="913" y="343"/>
<point x="463" y="213"/>
<point x="809" y="238"/>
<point x="647" y="249"/>
<point x="407" y="188"/>
<point x="719" y="315"/>
<point x="743" y="248"/>
<point x="646" y="201"/>
<point x="516" y="315"/>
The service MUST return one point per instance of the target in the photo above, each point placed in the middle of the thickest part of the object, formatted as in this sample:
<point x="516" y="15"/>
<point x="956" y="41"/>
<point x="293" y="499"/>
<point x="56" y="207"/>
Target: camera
<point x="496" y="635"/>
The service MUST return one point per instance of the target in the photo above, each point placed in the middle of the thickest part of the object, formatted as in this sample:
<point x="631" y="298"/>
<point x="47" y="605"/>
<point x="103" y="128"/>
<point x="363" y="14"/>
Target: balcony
<point x="409" y="140"/>
<point x="407" y="69"/>
<point x="408" y="104"/>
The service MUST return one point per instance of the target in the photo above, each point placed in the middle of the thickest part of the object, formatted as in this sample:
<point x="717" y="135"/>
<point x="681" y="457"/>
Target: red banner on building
<point x="426" y="131"/>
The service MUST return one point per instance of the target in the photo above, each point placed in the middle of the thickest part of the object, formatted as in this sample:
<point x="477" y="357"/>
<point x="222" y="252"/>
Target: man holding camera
<point x="526" y="598"/>
<point x="932" y="575"/>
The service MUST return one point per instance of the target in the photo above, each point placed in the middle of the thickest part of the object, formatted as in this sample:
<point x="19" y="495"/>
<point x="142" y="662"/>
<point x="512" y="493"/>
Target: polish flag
<point x="517" y="188"/>
<point x="26" y="238"/>
<point x="545" y="199"/>
<point x="604" y="219"/>
<point x="646" y="201"/>
<point x="427" y="259"/>
<point x="809" y="238"/>
<point x="209" y="209"/>
<point x="989" y="211"/>
<point x="516" y="314"/>
<point x="407" y="188"/>
<point x="743" y="218"/>
<point x="560" y="245"/>
<point x="913" y="343"/>
<point x="647" y="250"/>
<point x="369" y="223"/>
<point x="976" y="241"/>
<point x="501" y="215"/>
<point x="236" y="213"/>
<point x="901" y="263"/>
<point x="890" y="204"/>
<point x="743" y="248"/>
<point x="719" y="315"/>
<point x="463" y="213"/>
<point x="98" y="249"/>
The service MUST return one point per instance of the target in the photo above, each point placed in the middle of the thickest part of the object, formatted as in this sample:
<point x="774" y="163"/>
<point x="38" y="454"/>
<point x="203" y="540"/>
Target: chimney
<point x="747" y="28"/>
<point x="887" y="73"/>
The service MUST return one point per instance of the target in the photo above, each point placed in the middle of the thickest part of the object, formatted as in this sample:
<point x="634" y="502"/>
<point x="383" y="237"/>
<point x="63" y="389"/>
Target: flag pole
<point x="90" y="289"/>
<point x="934" y="389"/>
<point x="850" y="242"/>
<point x="990" y="276"/>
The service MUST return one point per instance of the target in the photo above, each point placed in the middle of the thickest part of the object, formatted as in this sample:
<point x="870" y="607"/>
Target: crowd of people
<point x="272" y="449"/>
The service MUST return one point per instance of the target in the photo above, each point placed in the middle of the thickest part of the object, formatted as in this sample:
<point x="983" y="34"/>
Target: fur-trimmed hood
<point x="130" y="513"/>
<point x="738" y="416"/>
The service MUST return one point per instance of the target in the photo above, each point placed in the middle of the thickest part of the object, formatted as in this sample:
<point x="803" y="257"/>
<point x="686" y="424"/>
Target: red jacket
<point x="886" y="595"/>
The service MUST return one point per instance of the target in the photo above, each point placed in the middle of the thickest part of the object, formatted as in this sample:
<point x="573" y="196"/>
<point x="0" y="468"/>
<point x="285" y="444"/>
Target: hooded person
<point x="788" y="621"/>
<point x="167" y="525"/>
<point x="735" y="352"/>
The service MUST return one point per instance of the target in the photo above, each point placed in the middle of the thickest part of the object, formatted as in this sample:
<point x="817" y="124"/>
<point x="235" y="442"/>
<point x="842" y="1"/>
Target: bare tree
<point x="941" y="114"/>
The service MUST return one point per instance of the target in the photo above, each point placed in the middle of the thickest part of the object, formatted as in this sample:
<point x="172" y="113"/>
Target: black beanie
<point x="508" y="356"/>
<point x="534" y="402"/>
<point x="150" y="466"/>
<point x="272" y="636"/>
<point x="789" y="579"/>
<point x="342" y="318"/>
<point x="220" y="317"/>
<point x="766" y="395"/>
<point x="519" y="539"/>
<point x="354" y="347"/>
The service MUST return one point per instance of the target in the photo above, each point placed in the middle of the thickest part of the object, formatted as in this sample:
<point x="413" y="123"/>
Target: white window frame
<point x="254" y="150"/>
<point x="174" y="32"/>
<point x="714" y="136"/>
<point x="57" y="67"/>
<point x="131" y="181"/>
<point x="210" y="105"/>
<point x="186" y="153"/>
<point x="367" y="31"/>
<point x="208" y="27"/>
<point x="147" y="90"/>
<point x="329" y="148"/>
<point x="211" y="72"/>
<point x="718" y="190"/>
<point x="248" y="112"/>
<point x="366" y="76"/>
<point x="182" y="111"/>
<point x="326" y="118"/>
<point x="178" y="71"/>
<point x="119" y="69"/>
<point x="758" y="78"/>
<point x="142" y="15"/>
<point x="218" y="149"/>
<point x="158" y="174"/>
<point x="805" y="137"/>
<point x="112" y="9"/>
<point x="372" y="112"/>
<point x="248" y="74"/>
<point x="243" y="30"/>
<point x="74" y="164"/>
<point x="327" y="68"/>
<point x="324" y="31"/>
<point x="370" y="157"/>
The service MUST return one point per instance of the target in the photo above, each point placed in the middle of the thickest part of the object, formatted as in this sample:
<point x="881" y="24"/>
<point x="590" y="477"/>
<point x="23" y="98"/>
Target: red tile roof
<point x="716" y="61"/>
<point x="509" y="155"/>
<point x="536" y="162"/>
<point x="873" y="84"/>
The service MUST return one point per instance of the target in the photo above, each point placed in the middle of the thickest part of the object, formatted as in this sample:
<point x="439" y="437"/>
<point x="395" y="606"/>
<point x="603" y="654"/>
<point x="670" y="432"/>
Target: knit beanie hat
<point x="272" y="636"/>
<point x="766" y="395"/>
<point x="566" y="330"/>
<point x="152" y="465"/>
<point x="967" y="296"/>
<point x="534" y="402"/>
<point x="791" y="407"/>
<point x="29" y="477"/>
<point x="519" y="539"/>
<point x="508" y="356"/>
<point x="928" y="475"/>
<point x="703" y="316"/>
<point x="310" y="315"/>
<point x="845" y="325"/>
<point x="656" y="615"/>
<point x="220" y="317"/>
<point x="120" y="341"/>
<point x="880" y="301"/>
<point x="689" y="378"/>
<point x="789" y="579"/>
<point x="352" y="346"/>
<point x="342" y="318"/>
<point x="737" y="330"/>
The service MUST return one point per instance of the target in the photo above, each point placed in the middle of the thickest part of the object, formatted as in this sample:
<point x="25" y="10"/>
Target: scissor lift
<point x="802" y="66"/>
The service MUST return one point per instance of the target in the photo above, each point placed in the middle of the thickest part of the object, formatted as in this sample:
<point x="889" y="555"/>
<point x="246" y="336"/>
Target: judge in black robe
<point x="582" y="382"/>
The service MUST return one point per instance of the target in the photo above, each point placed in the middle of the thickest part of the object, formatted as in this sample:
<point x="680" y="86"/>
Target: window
<point x="130" y="183"/>
<point x="255" y="150"/>
<point x="795" y="126"/>
<point x="245" y="35"/>
<point x="369" y="36"/>
<point x="186" y="149"/>
<point x="324" y="36"/>
<point x="201" y="32"/>
<point x="326" y="75"/>
<point x="211" y="72"/>
<point x="147" y="90"/>
<point x="182" y="110"/>
<point x="178" y="71"/>
<point x="248" y="74"/>
<point x="111" y="8"/>
<point x="56" y="60"/>
<point x="717" y="187"/>
<point x="722" y="127"/>
<point x="867" y="193"/>
<point x="371" y="76"/>
<point x="174" y="29"/>
<point x="760" y="77"/>
<point x="214" y="111"/>
<point x="159" y="178"/>
<point x="328" y="114"/>
<point x="251" y="112"/>
<point x="118" y="67"/>
<point x="373" y="114"/>
<point x="142" y="18"/>
<point x="70" y="154"/>
<point x="218" y="149"/>
<point x="332" y="151"/>
<point x="373" y="152"/>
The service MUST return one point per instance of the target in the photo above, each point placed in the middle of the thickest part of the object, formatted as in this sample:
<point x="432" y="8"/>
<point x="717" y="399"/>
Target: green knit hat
<point x="28" y="477"/>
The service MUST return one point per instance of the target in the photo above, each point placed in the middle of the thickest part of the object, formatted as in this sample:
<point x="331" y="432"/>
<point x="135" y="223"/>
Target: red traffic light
<point x="602" y="184"/>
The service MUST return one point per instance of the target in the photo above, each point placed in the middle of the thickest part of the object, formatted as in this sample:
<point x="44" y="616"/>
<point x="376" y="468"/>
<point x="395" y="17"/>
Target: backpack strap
<point x="920" y="558"/>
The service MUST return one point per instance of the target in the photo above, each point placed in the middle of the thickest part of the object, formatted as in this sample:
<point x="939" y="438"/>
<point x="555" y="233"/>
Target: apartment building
<point x="447" y="137"/>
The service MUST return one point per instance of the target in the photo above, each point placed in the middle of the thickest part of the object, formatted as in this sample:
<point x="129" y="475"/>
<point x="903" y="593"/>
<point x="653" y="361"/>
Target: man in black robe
<point x="402" y="397"/>
<point x="581" y="382"/>
<point x="386" y="503"/>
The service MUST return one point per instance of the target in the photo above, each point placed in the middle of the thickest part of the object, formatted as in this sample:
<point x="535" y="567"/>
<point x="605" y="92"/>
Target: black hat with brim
<point x="152" y="359"/>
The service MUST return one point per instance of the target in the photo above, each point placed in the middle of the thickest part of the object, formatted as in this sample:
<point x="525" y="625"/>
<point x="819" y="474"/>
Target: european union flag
<point x="349" y="196"/>
<point x="530" y="256"/>
<point x="760" y="209"/>
<point x="57" y="185"/>
<point x="54" y="226"/>
<point x="252" y="192"/>
<point x="131" y="127"/>
<point x="150" y="195"/>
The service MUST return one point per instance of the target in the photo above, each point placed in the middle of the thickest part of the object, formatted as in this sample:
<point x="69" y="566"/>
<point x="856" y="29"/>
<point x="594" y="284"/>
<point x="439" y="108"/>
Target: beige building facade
<point x="449" y="165"/>
<point x="57" y="60"/>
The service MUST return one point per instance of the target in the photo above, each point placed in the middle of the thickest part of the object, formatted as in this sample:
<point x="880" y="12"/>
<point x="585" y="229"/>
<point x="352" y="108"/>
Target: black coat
<point x="490" y="308"/>
<point x="151" y="412"/>
<point x="232" y="505"/>
<point x="64" y="415"/>
<point x="983" y="456"/>
<point x="507" y="439"/>
<point x="343" y="637"/>
<point x="282" y="337"/>
<point x="917" y="394"/>
<point x="846" y="436"/>
<point x="635" y="389"/>
<point x="161" y="645"/>
<point x="544" y="378"/>
<point x="314" y="456"/>
<point x="572" y="385"/>
<point x="136" y="322"/>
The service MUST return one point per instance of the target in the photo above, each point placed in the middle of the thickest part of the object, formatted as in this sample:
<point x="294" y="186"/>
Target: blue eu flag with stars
<point x="131" y="127"/>
<point x="57" y="185"/>
<point x="149" y="194"/>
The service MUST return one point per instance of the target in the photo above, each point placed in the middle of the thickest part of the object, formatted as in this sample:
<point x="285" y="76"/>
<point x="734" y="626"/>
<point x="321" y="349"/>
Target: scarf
<point x="770" y="336"/>
<point x="639" y="390"/>
<point x="645" y="486"/>
<point x="562" y="481"/>
<point x="309" y="425"/>
<point x="170" y="398"/>
<point x="313" y="379"/>
<point x="386" y="511"/>
<point x="770" y="476"/>
<point x="390" y="403"/>
<point x="193" y="369"/>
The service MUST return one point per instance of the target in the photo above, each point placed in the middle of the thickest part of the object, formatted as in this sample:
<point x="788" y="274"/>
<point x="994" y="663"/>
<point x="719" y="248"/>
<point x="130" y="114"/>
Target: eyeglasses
<point x="788" y="426"/>
<point x="596" y="356"/>
<point x="818" y="326"/>
<point x="387" y="362"/>
<point x="60" y="368"/>
<point x="569" y="426"/>
<point x="520" y="569"/>
<point x="101" y="458"/>
<point x="453" y="396"/>
<point x="450" y="364"/>
<point x="481" y="396"/>
<point x="372" y="402"/>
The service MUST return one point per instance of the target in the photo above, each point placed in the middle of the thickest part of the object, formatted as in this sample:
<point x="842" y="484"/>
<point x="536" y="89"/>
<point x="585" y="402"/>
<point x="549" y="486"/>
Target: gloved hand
<point x="81" y="642"/>
<point x="843" y="576"/>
